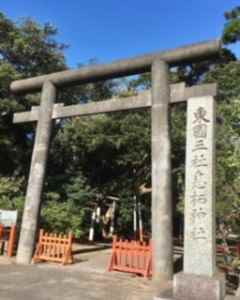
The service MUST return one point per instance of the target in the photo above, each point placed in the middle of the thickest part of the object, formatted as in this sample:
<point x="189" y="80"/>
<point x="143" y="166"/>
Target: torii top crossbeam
<point x="120" y="68"/>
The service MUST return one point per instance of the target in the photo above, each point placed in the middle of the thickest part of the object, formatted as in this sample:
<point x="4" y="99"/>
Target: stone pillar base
<point x="198" y="287"/>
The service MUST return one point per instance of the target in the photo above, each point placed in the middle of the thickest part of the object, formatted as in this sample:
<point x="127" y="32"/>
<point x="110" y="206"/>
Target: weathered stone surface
<point x="119" y="68"/>
<point x="161" y="175"/>
<point x="36" y="176"/>
<point x="179" y="93"/>
<point x="198" y="287"/>
<point x="199" y="235"/>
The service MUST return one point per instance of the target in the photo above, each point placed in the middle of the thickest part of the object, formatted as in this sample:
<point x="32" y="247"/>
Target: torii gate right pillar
<point x="161" y="175"/>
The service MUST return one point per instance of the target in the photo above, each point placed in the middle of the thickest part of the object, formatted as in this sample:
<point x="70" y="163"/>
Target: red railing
<point x="131" y="256"/>
<point x="235" y="250"/>
<point x="8" y="234"/>
<point x="53" y="247"/>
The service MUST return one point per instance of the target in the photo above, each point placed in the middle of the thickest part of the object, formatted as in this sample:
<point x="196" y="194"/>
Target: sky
<point x="107" y="30"/>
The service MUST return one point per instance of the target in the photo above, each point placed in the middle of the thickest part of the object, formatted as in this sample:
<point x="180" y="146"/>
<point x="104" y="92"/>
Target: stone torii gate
<point x="158" y="99"/>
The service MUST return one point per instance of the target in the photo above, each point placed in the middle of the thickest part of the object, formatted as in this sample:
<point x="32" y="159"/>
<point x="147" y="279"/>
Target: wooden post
<point x="161" y="174"/>
<point x="92" y="227"/>
<point x="140" y="221"/>
<point x="113" y="218"/>
<point x="135" y="216"/>
<point x="36" y="177"/>
<point x="11" y="241"/>
<point x="98" y="215"/>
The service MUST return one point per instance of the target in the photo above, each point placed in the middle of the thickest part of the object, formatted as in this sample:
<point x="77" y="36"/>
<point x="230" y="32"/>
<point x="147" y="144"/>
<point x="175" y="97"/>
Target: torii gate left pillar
<point x="36" y="176"/>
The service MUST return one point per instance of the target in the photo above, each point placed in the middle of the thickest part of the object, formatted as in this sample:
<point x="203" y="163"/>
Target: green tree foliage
<point x="228" y="160"/>
<point x="107" y="149"/>
<point x="227" y="77"/>
<point x="66" y="208"/>
<point x="228" y="137"/>
<point x="231" y="33"/>
<point x="26" y="49"/>
<point x="11" y="194"/>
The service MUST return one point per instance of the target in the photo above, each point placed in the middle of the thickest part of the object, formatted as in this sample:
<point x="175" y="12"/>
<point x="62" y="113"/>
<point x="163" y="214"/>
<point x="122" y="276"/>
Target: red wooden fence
<point x="53" y="247"/>
<point x="8" y="234"/>
<point x="235" y="250"/>
<point x="131" y="256"/>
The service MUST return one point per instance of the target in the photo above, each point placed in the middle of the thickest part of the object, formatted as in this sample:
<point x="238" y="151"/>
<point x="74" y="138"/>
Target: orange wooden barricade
<point x="8" y="234"/>
<point x="235" y="250"/>
<point x="1" y="231"/>
<point x="53" y="247"/>
<point x="131" y="256"/>
<point x="11" y="241"/>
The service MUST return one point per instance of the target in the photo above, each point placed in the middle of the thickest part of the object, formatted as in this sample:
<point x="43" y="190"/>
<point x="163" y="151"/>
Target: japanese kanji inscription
<point x="199" y="244"/>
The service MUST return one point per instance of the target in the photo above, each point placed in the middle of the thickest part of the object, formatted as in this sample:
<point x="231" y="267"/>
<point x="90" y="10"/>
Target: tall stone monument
<point x="199" y="280"/>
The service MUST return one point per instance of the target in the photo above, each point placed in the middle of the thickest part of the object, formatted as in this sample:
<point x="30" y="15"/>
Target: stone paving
<point x="87" y="279"/>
